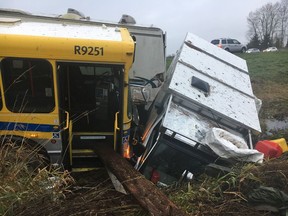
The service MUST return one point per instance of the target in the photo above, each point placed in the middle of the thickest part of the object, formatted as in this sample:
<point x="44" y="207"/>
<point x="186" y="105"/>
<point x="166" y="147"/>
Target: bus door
<point x="90" y="104"/>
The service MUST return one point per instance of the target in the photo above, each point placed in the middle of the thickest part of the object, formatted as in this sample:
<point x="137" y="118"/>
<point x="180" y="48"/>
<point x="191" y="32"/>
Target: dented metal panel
<point x="186" y="122"/>
<point x="229" y="94"/>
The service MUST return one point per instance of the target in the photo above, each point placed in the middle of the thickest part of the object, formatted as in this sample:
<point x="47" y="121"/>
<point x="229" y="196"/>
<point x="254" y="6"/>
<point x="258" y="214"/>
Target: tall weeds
<point x="21" y="183"/>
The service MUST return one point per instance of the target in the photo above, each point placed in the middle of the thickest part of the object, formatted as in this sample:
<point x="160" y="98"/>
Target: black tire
<point x="227" y="49"/>
<point x="243" y="50"/>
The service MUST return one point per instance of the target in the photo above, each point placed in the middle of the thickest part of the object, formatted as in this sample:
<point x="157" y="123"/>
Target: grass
<point x="264" y="66"/>
<point x="231" y="194"/>
<point x="21" y="185"/>
<point x="169" y="60"/>
<point x="269" y="78"/>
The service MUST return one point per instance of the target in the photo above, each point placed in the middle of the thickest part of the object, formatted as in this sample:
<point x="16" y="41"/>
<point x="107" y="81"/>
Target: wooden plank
<point x="145" y="192"/>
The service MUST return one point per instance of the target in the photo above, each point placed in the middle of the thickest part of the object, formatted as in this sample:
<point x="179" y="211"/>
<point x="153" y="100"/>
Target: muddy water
<point x="273" y="125"/>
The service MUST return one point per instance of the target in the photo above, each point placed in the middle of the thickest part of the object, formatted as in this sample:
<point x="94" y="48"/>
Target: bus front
<point x="64" y="87"/>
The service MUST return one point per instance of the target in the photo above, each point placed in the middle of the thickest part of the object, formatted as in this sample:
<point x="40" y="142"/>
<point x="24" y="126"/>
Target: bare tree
<point x="283" y="19"/>
<point x="268" y="22"/>
<point x="269" y="19"/>
<point x="253" y="24"/>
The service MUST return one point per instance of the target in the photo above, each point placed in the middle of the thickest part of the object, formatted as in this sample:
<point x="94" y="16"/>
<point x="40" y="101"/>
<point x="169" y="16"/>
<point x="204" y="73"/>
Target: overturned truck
<point x="203" y="115"/>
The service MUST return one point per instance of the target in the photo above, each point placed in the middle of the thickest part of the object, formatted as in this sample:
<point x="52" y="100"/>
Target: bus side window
<point x="28" y="85"/>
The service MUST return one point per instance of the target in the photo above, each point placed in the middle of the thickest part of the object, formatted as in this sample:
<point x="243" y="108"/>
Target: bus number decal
<point x="84" y="50"/>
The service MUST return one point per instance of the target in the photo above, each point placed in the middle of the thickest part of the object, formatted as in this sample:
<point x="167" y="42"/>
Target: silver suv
<point x="230" y="45"/>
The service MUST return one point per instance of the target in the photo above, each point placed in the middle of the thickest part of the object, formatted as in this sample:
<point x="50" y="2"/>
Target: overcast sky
<point x="208" y="19"/>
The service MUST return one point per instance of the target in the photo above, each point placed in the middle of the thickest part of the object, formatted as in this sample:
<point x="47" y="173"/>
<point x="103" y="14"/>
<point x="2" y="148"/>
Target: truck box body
<point x="229" y="99"/>
<point x="206" y="88"/>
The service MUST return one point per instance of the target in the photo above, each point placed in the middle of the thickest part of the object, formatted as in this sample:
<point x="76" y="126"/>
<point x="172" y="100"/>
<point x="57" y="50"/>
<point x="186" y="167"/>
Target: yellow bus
<point x="64" y="88"/>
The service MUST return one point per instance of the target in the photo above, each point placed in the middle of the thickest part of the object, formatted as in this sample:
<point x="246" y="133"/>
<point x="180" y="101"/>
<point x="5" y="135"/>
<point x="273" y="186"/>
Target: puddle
<point x="276" y="125"/>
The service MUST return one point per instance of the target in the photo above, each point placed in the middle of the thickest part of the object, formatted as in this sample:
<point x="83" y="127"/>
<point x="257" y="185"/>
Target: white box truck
<point x="205" y="107"/>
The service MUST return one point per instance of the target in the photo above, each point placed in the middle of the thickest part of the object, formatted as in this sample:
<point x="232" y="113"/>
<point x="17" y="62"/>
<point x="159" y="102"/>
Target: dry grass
<point x="22" y="182"/>
<point x="229" y="195"/>
<point x="25" y="193"/>
<point x="93" y="194"/>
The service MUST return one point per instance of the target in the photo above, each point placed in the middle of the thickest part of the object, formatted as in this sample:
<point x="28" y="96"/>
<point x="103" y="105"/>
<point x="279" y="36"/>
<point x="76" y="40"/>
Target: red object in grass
<point x="155" y="177"/>
<point x="269" y="149"/>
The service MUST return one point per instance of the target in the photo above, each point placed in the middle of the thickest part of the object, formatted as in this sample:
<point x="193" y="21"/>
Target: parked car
<point x="230" y="45"/>
<point x="271" y="49"/>
<point x="253" y="50"/>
